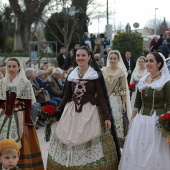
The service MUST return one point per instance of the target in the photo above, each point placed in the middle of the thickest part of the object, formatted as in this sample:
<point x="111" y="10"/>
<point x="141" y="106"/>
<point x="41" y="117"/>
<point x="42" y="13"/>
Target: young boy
<point x="9" y="155"/>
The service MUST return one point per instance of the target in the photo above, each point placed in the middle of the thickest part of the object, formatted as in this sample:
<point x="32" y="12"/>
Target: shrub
<point x="132" y="42"/>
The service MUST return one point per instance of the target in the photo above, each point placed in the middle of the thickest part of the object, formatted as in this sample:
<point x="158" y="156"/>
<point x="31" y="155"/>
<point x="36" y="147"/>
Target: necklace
<point x="154" y="77"/>
<point x="80" y="74"/>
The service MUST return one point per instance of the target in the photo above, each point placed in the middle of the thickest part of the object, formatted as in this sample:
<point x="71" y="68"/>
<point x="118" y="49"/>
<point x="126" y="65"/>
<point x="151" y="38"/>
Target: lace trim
<point x="76" y="155"/>
<point x="110" y="76"/>
<point x="116" y="105"/>
<point x="23" y="89"/>
<point x="12" y="127"/>
<point x="135" y="109"/>
<point x="12" y="89"/>
<point x="119" y="93"/>
<point x="157" y="85"/>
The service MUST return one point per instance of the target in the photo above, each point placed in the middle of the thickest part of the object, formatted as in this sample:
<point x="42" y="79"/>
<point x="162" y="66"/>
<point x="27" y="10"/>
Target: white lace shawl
<point x="157" y="85"/>
<point x="24" y="87"/>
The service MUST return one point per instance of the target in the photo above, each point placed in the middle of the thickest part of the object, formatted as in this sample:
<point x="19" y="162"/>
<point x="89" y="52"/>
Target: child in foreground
<point x="9" y="155"/>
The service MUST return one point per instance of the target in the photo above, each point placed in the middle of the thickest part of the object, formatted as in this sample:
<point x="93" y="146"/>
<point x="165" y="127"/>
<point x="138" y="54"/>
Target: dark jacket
<point x="68" y="63"/>
<point x="56" y="88"/>
<point x="60" y="60"/>
<point x="153" y="45"/>
<point x="165" y="50"/>
<point x="132" y="67"/>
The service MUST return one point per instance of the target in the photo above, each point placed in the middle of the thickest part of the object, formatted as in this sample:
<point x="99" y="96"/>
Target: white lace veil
<point x="24" y="87"/>
<point x="122" y="66"/>
<point x="120" y="63"/>
<point x="158" y="85"/>
<point x="136" y="68"/>
<point x="164" y="69"/>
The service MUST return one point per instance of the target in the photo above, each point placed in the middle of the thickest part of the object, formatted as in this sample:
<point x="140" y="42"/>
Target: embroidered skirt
<point x="96" y="151"/>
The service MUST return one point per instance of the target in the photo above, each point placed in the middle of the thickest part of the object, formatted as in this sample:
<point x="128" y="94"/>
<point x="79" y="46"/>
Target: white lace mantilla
<point x="23" y="91"/>
<point x="157" y="85"/>
<point x="76" y="155"/>
<point x="110" y="76"/>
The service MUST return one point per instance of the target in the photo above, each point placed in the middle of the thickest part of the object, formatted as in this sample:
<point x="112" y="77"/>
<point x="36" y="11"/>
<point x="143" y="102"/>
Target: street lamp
<point x="155" y="22"/>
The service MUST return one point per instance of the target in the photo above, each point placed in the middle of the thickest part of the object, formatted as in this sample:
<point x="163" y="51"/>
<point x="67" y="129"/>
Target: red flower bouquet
<point x="48" y="113"/>
<point x="48" y="110"/>
<point x="132" y="87"/>
<point x="164" y="125"/>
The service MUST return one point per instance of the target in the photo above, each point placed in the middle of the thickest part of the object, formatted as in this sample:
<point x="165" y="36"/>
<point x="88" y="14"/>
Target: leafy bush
<point x="132" y="42"/>
<point x="10" y="44"/>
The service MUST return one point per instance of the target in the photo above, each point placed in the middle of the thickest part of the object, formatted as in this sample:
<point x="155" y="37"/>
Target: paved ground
<point x="44" y="145"/>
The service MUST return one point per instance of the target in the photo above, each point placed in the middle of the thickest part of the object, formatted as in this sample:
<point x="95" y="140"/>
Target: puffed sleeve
<point x="122" y="87"/>
<point x="167" y="96"/>
<point x="28" y="107"/>
<point x="101" y="100"/>
<point x="1" y="102"/>
<point x="67" y="96"/>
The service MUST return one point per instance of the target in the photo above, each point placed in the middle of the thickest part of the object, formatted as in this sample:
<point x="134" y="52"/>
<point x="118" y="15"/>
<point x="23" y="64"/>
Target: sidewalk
<point x="44" y="145"/>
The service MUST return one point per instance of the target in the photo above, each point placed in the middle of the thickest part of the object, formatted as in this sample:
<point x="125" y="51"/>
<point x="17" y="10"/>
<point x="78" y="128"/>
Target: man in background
<point x="130" y="64"/>
<point x="61" y="57"/>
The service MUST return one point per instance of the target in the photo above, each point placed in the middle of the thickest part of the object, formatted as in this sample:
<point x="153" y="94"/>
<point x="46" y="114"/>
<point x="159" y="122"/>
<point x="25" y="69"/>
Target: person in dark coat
<point x="130" y="64"/>
<point x="61" y="57"/>
<point x="153" y="44"/>
<point x="164" y="48"/>
<point x="69" y="61"/>
<point x="160" y="40"/>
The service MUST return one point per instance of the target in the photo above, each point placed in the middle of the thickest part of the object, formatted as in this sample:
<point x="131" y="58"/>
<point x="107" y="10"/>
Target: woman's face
<point x="12" y="68"/>
<point x="141" y="63"/>
<point x="113" y="59"/>
<point x="71" y="54"/>
<point x="151" y="64"/>
<point x="82" y="58"/>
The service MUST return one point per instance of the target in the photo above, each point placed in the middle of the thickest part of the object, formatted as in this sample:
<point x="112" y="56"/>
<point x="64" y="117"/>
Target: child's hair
<point x="8" y="150"/>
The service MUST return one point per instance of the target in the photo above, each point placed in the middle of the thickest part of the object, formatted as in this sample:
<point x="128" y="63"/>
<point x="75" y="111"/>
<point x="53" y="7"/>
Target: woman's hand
<point x="108" y="125"/>
<point x="123" y="108"/>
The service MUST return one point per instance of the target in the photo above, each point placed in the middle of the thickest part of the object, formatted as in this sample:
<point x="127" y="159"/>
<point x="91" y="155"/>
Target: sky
<point x="129" y="11"/>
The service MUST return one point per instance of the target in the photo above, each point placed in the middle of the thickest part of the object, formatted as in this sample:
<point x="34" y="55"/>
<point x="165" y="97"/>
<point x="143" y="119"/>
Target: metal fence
<point x="42" y="52"/>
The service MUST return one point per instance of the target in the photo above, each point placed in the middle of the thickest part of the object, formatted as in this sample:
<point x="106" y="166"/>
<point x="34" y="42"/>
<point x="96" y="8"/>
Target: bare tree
<point x="27" y="12"/>
<point x="151" y="24"/>
<point x="69" y="21"/>
<point x="120" y="27"/>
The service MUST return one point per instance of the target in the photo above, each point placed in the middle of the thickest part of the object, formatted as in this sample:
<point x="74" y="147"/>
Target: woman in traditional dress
<point x="139" y="71"/>
<point x="16" y="97"/>
<point x="82" y="139"/>
<point x="145" y="147"/>
<point x="115" y="76"/>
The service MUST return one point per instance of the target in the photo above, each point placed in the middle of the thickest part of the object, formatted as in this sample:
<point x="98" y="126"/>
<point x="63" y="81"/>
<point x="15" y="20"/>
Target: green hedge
<point x="132" y="42"/>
